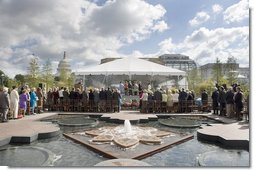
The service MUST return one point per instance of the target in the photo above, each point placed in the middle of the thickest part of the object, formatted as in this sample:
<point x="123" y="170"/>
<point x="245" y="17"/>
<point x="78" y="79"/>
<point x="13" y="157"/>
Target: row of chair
<point x="177" y="107"/>
<point x="76" y="105"/>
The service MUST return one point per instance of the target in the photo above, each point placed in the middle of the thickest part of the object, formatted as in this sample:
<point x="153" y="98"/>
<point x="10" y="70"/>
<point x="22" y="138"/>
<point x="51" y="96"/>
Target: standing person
<point x="215" y="97"/>
<point x="238" y="98"/>
<point x="72" y="98"/>
<point x="170" y="101"/>
<point x="126" y="88"/>
<point x="140" y="88"/>
<point x="96" y="99"/>
<point x="4" y="103"/>
<point x="33" y="101"/>
<point x="103" y="98"/>
<point x="14" y="106"/>
<point x="141" y="96"/>
<point x="28" y="101"/>
<point x="144" y="101"/>
<point x="190" y="101"/>
<point x="115" y="100"/>
<point x="60" y="92"/>
<point x="121" y="87"/>
<point x="204" y="99"/>
<point x="39" y="95"/>
<point x="182" y="98"/>
<point x="49" y="99"/>
<point x="130" y="88"/>
<point x="119" y="101"/>
<point x="175" y="98"/>
<point x="91" y="100"/>
<point x="150" y="100"/>
<point x="222" y="101"/>
<point x="149" y="87"/>
<point x="66" y="101"/>
<point x="55" y="96"/>
<point x="65" y="94"/>
<point x="135" y="88"/>
<point x="109" y="100"/>
<point x="23" y="98"/>
<point x="158" y="99"/>
<point x="230" y="103"/>
<point x="164" y="101"/>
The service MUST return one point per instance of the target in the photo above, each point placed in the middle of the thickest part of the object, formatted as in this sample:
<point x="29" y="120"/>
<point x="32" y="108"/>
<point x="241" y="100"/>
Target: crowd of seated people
<point x="170" y="101"/>
<point x="92" y="100"/>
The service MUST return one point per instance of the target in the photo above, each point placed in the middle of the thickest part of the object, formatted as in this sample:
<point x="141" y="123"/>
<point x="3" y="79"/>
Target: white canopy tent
<point x="131" y="66"/>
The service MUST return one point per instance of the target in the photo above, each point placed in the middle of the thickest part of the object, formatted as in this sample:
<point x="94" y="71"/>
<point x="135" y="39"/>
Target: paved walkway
<point x="29" y="128"/>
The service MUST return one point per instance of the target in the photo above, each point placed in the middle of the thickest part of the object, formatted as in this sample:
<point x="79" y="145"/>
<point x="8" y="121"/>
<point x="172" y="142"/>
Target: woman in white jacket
<point x="14" y="106"/>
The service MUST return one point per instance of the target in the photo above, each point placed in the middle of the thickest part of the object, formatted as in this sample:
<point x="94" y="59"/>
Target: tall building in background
<point x="242" y="73"/>
<point x="178" y="61"/>
<point x="64" y="66"/>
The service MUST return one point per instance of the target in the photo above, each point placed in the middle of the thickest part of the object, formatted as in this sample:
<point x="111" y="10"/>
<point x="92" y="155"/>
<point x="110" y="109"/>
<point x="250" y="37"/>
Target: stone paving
<point x="132" y="116"/>
<point x="27" y="129"/>
<point x="234" y="135"/>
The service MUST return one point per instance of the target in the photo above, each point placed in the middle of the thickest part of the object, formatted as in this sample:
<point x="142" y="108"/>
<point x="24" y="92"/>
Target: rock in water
<point x="125" y="142"/>
<point x="103" y="138"/>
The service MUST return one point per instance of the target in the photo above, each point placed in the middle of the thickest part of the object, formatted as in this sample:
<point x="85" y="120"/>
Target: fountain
<point x="127" y="126"/>
<point x="120" y="141"/>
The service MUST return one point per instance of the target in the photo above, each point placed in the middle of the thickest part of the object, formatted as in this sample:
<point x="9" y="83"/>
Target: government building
<point x="63" y="66"/>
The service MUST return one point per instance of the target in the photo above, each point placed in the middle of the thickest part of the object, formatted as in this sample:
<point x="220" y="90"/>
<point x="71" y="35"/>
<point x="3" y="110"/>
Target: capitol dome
<point x="64" y="65"/>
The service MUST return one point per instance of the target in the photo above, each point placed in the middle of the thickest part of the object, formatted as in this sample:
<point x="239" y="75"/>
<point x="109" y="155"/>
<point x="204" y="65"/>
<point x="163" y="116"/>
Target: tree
<point x="20" y="79"/>
<point x="33" y="77"/>
<point x="194" y="78"/>
<point x="70" y="80"/>
<point x="3" y="79"/>
<point x="231" y="67"/>
<point x="47" y="74"/>
<point x="217" y="71"/>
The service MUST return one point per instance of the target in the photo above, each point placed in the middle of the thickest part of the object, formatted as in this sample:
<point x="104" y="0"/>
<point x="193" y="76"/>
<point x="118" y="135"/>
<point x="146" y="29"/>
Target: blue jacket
<point x="33" y="99"/>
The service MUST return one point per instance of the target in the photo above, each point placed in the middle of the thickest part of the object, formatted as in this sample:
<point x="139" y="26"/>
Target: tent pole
<point x="130" y="76"/>
<point x="84" y="81"/>
<point x="185" y="82"/>
<point x="177" y="82"/>
<point x="106" y="80"/>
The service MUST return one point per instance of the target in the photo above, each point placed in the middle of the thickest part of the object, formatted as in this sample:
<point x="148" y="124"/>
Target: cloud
<point x="160" y="26"/>
<point x="200" y="18"/>
<point x="87" y="31"/>
<point x="204" y="45"/>
<point x="217" y="8"/>
<point x="237" y="12"/>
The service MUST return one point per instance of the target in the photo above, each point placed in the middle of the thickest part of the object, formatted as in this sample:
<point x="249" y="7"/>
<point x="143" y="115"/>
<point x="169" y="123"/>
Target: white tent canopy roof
<point x="130" y="66"/>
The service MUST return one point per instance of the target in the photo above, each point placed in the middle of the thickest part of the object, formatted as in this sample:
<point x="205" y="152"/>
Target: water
<point x="73" y="154"/>
<point x="127" y="126"/>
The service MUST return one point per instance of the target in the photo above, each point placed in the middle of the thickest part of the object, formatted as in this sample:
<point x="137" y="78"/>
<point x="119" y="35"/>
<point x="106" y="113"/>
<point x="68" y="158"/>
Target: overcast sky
<point x="90" y="30"/>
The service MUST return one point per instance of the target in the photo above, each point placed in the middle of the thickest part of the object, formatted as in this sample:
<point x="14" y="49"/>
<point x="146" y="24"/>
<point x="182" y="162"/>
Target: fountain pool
<point x="69" y="153"/>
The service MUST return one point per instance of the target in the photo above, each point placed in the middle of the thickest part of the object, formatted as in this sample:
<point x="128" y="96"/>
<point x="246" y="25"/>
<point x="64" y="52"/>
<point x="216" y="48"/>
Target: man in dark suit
<point x="157" y="99"/>
<point x="215" y="96"/>
<point x="182" y="100"/>
<point x="4" y="103"/>
<point x="238" y="98"/>
<point x="222" y="101"/>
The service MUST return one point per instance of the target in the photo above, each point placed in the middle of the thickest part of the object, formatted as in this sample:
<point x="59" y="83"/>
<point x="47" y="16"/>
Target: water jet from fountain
<point x="127" y="126"/>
